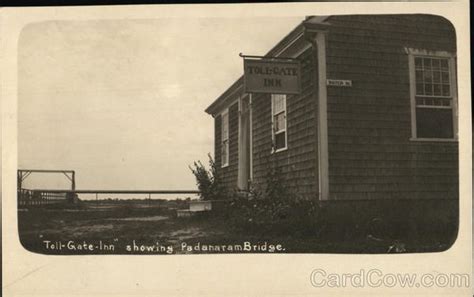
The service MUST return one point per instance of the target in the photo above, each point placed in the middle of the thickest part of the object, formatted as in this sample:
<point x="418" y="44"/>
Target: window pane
<point x="445" y="77"/>
<point x="426" y="63"/>
<point x="224" y="131"/>
<point x="446" y="102"/>
<point x="435" y="64"/>
<point x="428" y="89"/>
<point x="419" y="76"/>
<point x="280" y="141"/>
<point x="225" y="152"/>
<point x="437" y="102"/>
<point x="278" y="103"/>
<point x="418" y="63"/>
<point x="434" y="123"/>
<point x="436" y="77"/>
<point x="437" y="90"/>
<point x="280" y="123"/>
<point x="444" y="64"/>
<point x="225" y="126"/>
<point x="427" y="76"/>
<point x="419" y="89"/>
<point x="446" y="90"/>
<point x="420" y="101"/>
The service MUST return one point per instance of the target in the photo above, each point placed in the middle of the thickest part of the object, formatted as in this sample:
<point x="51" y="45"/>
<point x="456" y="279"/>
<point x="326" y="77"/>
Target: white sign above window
<point x="339" y="82"/>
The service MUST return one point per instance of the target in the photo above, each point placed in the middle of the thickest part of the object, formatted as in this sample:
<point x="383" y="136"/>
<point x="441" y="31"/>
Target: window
<point x="279" y="135"/>
<point x="433" y="95"/>
<point x="225" y="138"/>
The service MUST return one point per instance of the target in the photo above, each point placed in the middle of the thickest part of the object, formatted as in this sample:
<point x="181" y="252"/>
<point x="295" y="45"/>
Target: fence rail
<point x="41" y="197"/>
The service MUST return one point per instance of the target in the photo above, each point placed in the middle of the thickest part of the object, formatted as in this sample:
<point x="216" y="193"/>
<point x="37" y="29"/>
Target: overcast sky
<point x="122" y="102"/>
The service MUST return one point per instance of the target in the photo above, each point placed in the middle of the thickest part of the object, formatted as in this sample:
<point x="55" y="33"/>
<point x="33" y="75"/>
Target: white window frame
<point x="274" y="133"/>
<point x="412" y="53"/>
<point x="224" y="138"/>
<point x="240" y="99"/>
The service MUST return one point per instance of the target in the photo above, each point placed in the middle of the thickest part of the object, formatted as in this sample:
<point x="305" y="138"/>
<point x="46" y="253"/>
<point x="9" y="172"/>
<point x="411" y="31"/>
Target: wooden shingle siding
<point x="228" y="174"/>
<point x="369" y="124"/>
<point x="298" y="164"/>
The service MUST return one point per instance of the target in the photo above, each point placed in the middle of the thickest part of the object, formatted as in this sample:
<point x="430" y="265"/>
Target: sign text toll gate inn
<point x="272" y="76"/>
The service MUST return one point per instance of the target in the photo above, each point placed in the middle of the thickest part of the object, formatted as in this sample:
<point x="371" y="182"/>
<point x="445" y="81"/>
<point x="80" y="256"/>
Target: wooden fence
<point x="32" y="198"/>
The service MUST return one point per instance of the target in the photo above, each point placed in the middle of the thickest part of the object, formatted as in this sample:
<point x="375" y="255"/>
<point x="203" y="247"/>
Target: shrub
<point x="208" y="181"/>
<point x="274" y="210"/>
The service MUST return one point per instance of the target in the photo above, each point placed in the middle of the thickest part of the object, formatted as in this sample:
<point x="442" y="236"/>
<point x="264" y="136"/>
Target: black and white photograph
<point x="339" y="137"/>
<point x="195" y="139"/>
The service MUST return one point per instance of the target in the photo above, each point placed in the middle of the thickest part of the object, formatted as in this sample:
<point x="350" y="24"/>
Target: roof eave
<point x="215" y="106"/>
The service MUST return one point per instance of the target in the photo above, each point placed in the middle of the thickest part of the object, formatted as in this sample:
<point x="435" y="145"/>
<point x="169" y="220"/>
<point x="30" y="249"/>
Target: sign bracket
<point x="267" y="57"/>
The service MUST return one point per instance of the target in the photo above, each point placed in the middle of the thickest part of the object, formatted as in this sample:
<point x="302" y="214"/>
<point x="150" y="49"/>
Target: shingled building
<point x="376" y="117"/>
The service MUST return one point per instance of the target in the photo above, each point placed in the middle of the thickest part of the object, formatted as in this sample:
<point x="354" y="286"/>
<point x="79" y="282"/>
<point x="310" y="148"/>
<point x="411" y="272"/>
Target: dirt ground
<point x="154" y="229"/>
<point x="118" y="225"/>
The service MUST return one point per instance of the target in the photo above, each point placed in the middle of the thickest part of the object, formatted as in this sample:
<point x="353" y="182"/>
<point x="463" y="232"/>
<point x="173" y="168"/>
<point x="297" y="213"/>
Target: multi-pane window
<point x="225" y="138"/>
<point x="279" y="134"/>
<point x="433" y="98"/>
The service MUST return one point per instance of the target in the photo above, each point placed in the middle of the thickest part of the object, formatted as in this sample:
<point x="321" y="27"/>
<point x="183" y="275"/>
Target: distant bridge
<point x="39" y="197"/>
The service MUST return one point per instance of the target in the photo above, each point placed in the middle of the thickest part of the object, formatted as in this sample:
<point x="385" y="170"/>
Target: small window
<point x="225" y="138"/>
<point x="279" y="134"/>
<point x="433" y="95"/>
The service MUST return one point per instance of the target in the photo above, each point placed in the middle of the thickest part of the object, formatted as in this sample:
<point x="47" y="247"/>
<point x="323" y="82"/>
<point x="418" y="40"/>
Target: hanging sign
<point x="272" y="76"/>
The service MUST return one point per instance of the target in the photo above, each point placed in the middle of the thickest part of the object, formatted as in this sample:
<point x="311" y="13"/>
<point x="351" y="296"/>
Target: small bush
<point x="208" y="181"/>
<point x="274" y="210"/>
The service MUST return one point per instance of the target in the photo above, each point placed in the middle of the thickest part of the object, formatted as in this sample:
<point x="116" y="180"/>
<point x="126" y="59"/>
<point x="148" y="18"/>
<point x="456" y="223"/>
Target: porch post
<point x="318" y="39"/>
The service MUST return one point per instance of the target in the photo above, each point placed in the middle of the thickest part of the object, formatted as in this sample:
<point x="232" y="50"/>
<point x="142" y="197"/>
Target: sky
<point x="122" y="102"/>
